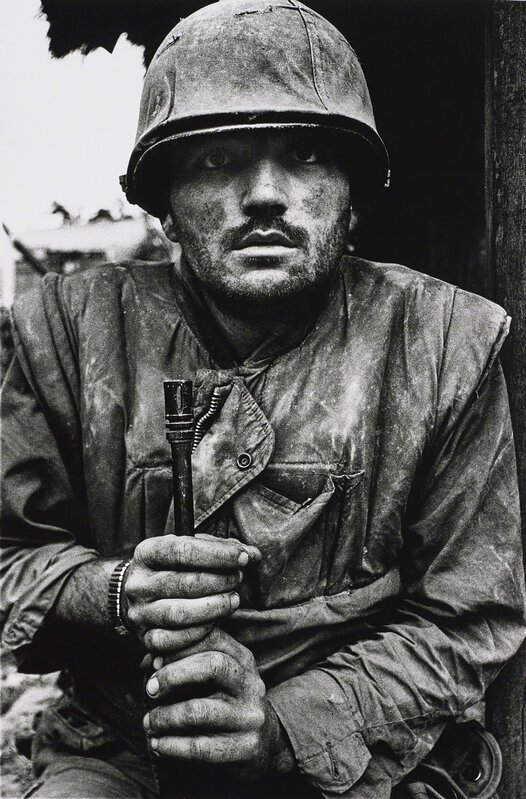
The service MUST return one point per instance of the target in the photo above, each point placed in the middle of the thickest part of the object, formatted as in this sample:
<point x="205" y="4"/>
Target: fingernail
<point x="234" y="601"/>
<point x="152" y="686"/>
<point x="154" y="743"/>
<point x="242" y="558"/>
<point x="158" y="663"/>
<point x="146" y="721"/>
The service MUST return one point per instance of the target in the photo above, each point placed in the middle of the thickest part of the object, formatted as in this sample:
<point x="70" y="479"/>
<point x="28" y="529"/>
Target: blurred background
<point x="68" y="128"/>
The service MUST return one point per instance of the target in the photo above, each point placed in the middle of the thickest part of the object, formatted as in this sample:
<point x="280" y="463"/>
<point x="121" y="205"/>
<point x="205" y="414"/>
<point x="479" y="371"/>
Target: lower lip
<point x="266" y="250"/>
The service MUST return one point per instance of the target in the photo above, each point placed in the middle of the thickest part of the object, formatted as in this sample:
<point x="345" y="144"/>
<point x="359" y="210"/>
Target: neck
<point x="245" y="331"/>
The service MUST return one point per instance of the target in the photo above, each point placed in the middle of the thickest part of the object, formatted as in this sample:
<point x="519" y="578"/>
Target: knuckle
<point x="199" y="750"/>
<point x="217" y="665"/>
<point x="133" y="615"/>
<point x="189" y="585"/>
<point x="155" y="639"/>
<point x="133" y="585"/>
<point x="158" y="720"/>
<point x="247" y="659"/>
<point x="183" y="551"/>
<point x="258" y="718"/>
<point x="195" y="713"/>
<point x="142" y="551"/>
<point x="183" y="615"/>
<point x="165" y="640"/>
<point x="260" y="689"/>
<point x="175" y="614"/>
<point x="182" y="585"/>
<point x="214" y="636"/>
<point x="190" y="635"/>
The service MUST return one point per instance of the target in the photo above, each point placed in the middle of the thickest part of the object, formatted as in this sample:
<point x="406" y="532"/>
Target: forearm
<point x="83" y="601"/>
<point x="80" y="613"/>
<point x="381" y="703"/>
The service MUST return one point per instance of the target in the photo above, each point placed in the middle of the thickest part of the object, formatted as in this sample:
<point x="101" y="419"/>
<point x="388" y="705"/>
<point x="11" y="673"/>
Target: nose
<point x="265" y="189"/>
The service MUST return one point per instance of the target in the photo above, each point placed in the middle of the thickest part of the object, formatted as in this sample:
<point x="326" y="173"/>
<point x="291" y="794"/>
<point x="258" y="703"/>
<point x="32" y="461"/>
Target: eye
<point x="305" y="154"/>
<point x="215" y="159"/>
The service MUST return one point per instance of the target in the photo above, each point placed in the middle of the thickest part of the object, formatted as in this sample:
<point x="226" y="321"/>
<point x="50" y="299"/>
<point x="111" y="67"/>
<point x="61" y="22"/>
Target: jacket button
<point x="472" y="772"/>
<point x="244" y="460"/>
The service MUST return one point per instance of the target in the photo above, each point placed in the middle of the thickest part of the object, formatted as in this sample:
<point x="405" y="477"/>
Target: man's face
<point x="260" y="216"/>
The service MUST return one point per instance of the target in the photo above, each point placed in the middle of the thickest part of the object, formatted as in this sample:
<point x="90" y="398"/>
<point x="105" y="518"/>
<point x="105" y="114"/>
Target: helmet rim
<point x="136" y="180"/>
<point x="248" y="65"/>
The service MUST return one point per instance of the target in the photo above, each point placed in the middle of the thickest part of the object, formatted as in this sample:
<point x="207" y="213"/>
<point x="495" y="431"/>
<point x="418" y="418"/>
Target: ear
<point x="354" y="220"/>
<point x="354" y="224"/>
<point x="168" y="227"/>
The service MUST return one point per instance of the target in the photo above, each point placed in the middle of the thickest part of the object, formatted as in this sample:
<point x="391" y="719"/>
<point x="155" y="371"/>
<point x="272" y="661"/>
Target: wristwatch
<point x="114" y="597"/>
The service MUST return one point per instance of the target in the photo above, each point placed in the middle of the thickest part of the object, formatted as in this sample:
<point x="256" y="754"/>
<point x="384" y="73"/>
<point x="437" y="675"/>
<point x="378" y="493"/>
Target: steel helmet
<point x="247" y="65"/>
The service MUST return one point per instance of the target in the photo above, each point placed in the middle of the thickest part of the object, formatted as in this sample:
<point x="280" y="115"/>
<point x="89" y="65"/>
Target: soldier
<point x="355" y="582"/>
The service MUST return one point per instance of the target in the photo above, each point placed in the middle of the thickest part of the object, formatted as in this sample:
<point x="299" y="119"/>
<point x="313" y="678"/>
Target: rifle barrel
<point x="179" y="433"/>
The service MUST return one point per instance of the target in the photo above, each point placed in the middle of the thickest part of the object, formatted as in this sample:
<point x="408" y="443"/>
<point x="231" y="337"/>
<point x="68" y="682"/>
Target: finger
<point x="172" y="641"/>
<point x="230" y="748"/>
<point x="215" y="667"/>
<point x="208" y="714"/>
<point x="174" y="613"/>
<point x="148" y="664"/>
<point x="252" y="551"/>
<point x="186" y="584"/>
<point x="217" y="640"/>
<point x="192" y="553"/>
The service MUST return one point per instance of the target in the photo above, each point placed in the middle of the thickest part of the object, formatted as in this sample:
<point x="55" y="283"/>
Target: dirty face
<point x="259" y="216"/>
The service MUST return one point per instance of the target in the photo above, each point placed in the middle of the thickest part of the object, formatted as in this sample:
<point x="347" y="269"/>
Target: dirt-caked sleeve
<point x="365" y="716"/>
<point x="45" y="529"/>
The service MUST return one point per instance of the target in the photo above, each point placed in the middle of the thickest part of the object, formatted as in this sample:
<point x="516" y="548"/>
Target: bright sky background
<point x="68" y="124"/>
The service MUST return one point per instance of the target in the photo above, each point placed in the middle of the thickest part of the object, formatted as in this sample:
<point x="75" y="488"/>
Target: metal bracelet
<point x="114" y="597"/>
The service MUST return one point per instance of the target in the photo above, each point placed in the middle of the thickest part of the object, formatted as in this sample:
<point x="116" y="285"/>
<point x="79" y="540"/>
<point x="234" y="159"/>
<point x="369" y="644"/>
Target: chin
<point x="271" y="288"/>
<point x="267" y="282"/>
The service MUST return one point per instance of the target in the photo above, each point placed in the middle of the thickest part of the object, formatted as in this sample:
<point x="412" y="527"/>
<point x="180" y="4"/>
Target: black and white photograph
<point x="263" y="393"/>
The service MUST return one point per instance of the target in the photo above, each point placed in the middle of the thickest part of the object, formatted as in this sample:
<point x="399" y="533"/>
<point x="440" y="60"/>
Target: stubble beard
<point x="305" y="286"/>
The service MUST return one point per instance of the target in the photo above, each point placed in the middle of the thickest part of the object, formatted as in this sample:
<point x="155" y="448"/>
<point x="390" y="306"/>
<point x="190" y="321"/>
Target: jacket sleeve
<point x="370" y="712"/>
<point x="44" y="521"/>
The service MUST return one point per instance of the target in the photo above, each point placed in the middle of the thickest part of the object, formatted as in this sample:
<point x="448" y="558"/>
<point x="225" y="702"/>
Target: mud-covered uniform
<point x="370" y="458"/>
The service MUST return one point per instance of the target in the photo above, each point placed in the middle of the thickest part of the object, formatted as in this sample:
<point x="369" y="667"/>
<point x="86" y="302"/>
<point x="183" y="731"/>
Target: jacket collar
<point x="197" y="315"/>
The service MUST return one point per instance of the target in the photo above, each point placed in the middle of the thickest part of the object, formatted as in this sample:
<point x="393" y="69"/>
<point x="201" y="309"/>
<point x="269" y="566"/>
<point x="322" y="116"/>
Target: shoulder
<point x="430" y="300"/>
<point x="460" y="333"/>
<point x="102" y="289"/>
<point x="115" y="280"/>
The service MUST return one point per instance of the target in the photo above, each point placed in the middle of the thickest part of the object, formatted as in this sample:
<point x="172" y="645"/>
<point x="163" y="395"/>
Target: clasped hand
<point x="232" y="724"/>
<point x="175" y="590"/>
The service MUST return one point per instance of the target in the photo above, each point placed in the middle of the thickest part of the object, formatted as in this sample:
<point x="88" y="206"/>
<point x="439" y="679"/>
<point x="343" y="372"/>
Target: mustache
<point x="233" y="238"/>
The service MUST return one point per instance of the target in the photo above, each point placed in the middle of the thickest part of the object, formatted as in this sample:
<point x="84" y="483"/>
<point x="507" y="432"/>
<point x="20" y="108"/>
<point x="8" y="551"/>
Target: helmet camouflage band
<point x="247" y="65"/>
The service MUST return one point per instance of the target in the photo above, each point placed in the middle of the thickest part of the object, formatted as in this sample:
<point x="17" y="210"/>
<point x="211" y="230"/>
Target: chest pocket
<point x="308" y="547"/>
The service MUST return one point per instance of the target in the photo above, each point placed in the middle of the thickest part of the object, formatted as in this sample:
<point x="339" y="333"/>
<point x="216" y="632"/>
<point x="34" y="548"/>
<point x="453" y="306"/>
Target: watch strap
<point x="115" y="597"/>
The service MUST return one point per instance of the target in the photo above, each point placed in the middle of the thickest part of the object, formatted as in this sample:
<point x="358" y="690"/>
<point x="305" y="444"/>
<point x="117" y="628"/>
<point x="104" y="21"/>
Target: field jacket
<point x="370" y="458"/>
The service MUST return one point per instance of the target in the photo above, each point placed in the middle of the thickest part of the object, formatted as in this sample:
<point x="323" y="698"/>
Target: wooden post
<point x="506" y="240"/>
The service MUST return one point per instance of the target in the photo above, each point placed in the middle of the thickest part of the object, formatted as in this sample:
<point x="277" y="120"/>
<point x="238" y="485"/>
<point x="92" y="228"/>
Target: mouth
<point x="265" y="243"/>
<point x="265" y="238"/>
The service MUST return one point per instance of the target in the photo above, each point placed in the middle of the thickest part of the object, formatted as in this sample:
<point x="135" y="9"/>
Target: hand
<point x="176" y="587"/>
<point x="234" y="725"/>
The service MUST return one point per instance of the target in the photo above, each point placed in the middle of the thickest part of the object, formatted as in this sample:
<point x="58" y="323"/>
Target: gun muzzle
<point x="179" y="433"/>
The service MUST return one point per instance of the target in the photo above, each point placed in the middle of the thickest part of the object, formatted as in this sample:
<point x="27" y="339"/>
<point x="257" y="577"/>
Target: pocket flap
<point x="277" y="526"/>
